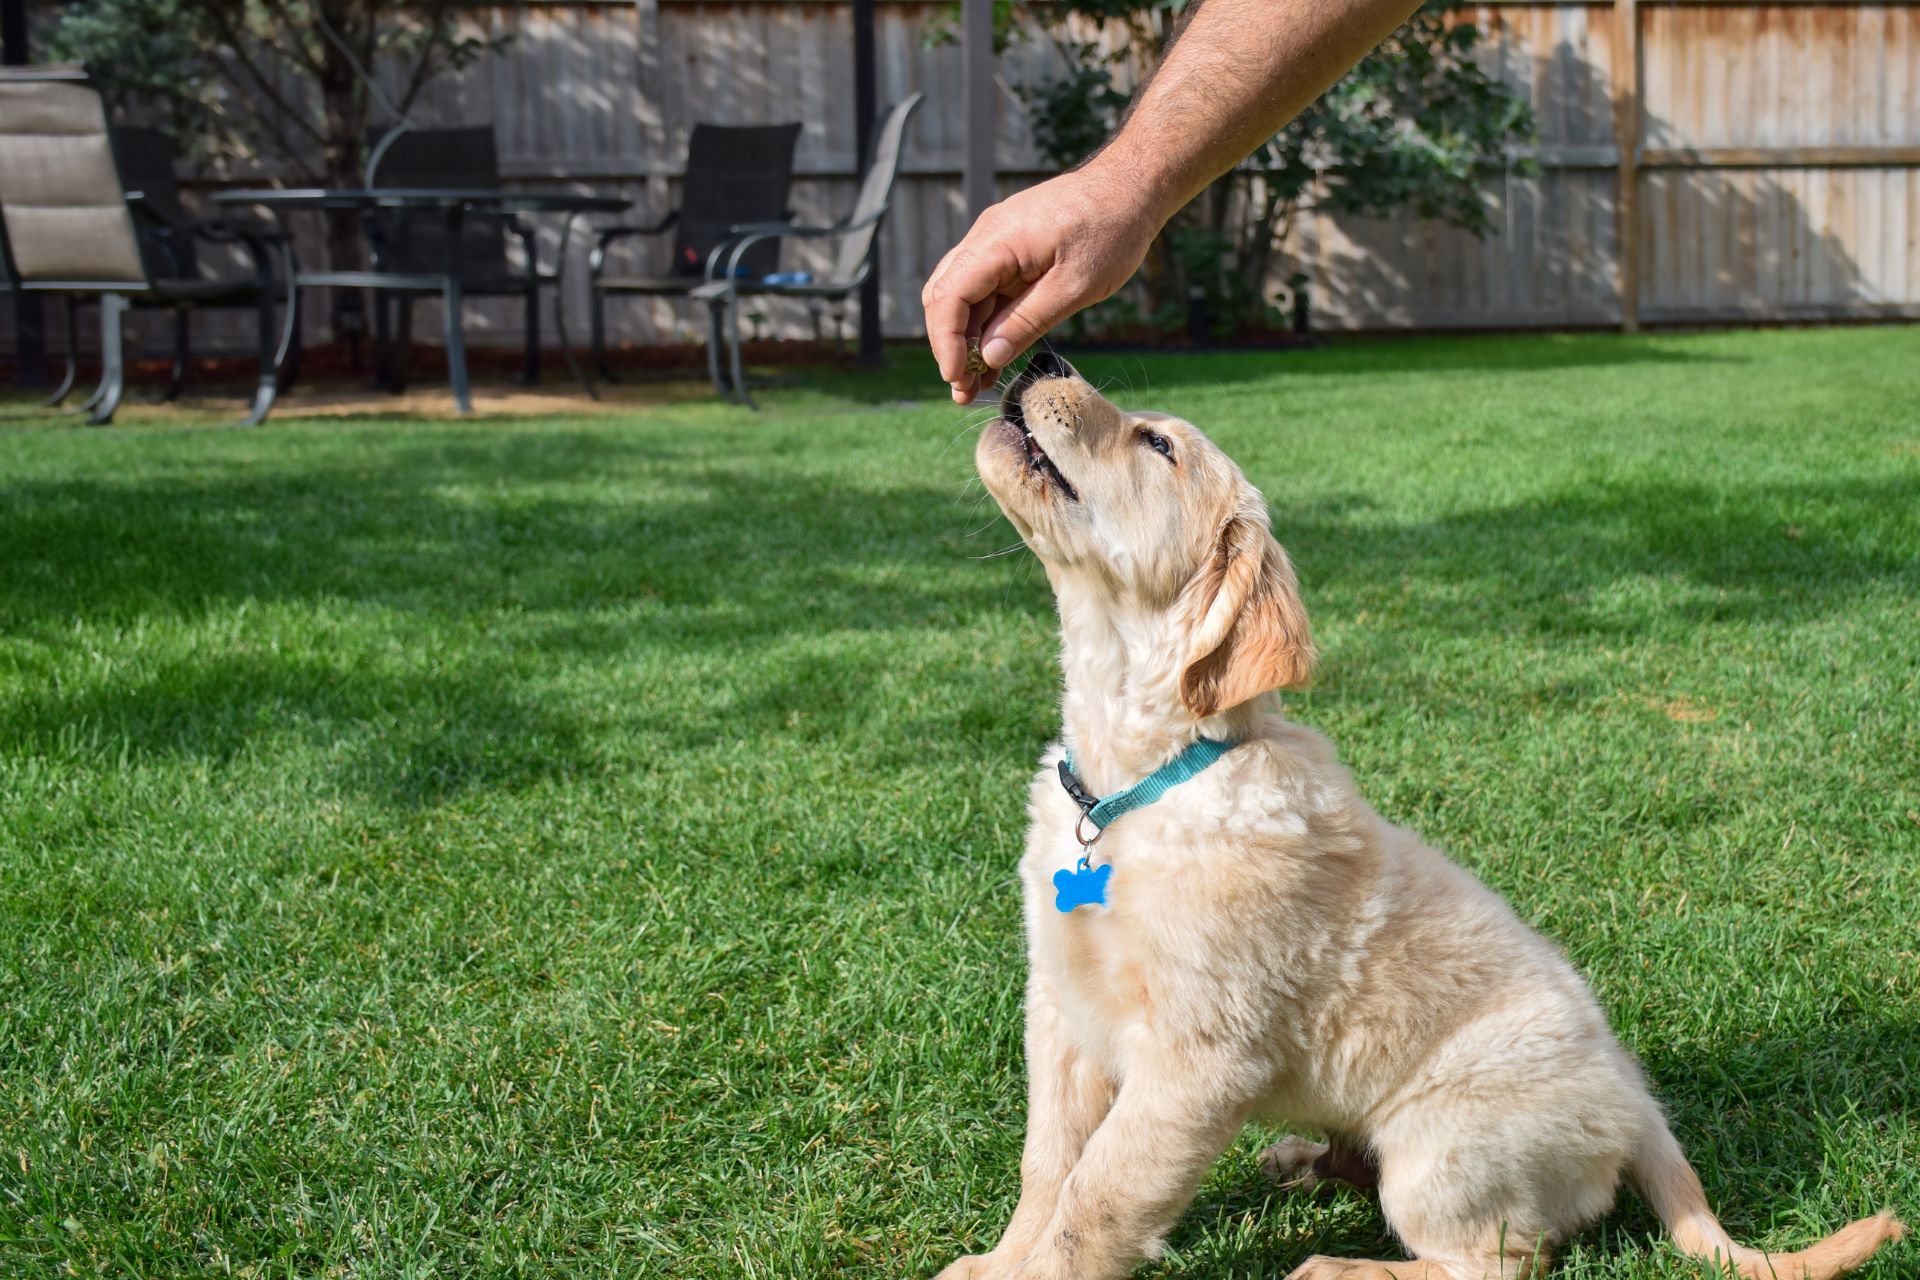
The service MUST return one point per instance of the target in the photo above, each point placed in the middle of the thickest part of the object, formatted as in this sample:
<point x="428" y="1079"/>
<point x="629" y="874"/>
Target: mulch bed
<point x="335" y="362"/>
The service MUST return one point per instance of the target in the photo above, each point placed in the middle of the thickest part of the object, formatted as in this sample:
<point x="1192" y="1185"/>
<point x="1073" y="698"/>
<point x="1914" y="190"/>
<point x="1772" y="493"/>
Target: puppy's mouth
<point x="1037" y="461"/>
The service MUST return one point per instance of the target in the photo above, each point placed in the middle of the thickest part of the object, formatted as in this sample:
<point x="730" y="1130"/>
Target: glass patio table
<point x="454" y="204"/>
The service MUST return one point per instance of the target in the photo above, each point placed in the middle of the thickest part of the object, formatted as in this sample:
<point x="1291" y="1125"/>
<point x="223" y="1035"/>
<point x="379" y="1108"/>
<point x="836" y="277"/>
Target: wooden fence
<point x="1699" y="162"/>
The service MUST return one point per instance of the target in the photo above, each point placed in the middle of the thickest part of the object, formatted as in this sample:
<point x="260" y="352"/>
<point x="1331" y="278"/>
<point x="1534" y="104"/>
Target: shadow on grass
<point x="453" y="731"/>
<point x="1140" y="376"/>
<point x="1136" y="377"/>
<point x="614" y="549"/>
<point x="727" y="554"/>
<point x="1757" y="1110"/>
<point x="1780" y="552"/>
<point x="710" y="573"/>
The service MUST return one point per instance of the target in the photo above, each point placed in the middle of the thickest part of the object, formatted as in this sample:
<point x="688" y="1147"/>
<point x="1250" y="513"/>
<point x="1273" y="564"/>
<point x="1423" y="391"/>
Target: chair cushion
<point x="66" y="213"/>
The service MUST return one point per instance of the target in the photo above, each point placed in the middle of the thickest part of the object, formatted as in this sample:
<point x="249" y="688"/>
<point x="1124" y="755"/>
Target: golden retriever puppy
<point x="1253" y="941"/>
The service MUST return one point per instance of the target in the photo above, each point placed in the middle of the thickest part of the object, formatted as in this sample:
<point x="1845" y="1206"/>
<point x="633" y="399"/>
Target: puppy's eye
<point x="1158" y="443"/>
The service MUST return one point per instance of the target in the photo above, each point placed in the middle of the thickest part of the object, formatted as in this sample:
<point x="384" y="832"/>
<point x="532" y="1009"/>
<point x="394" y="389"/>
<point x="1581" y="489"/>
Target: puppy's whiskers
<point x="970" y="425"/>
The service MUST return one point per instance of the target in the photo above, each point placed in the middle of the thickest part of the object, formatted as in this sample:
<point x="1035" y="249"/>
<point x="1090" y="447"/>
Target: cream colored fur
<point x="1272" y="948"/>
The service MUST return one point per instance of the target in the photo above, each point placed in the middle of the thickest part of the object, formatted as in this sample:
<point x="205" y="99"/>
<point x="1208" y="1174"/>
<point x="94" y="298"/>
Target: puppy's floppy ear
<point x="1247" y="630"/>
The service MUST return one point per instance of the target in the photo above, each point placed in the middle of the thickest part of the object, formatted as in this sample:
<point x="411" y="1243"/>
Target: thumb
<point x="1024" y="318"/>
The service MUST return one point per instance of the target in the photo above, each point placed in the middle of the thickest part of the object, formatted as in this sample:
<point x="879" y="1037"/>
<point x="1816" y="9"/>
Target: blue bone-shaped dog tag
<point x="1083" y="886"/>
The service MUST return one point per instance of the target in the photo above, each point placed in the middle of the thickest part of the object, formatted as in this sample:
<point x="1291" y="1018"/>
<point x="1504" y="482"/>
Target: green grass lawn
<point x="585" y="846"/>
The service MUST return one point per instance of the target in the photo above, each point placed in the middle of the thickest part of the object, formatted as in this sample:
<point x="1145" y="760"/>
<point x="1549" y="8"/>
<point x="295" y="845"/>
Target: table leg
<point x="560" y="311"/>
<point x="456" y="346"/>
<point x="456" y="328"/>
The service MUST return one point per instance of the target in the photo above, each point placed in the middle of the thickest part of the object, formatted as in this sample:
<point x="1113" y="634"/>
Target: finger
<point x="968" y="277"/>
<point x="948" y="316"/>
<point x="972" y="381"/>
<point x="939" y="269"/>
<point x="969" y="387"/>
<point x="1022" y="320"/>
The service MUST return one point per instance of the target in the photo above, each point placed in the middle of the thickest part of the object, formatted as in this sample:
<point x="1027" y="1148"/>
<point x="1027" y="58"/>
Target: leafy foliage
<point x="143" y="53"/>
<point x="1417" y="126"/>
<point x="275" y="81"/>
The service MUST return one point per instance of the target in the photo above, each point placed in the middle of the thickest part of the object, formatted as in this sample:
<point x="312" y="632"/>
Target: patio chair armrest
<point x="262" y="240"/>
<point x="598" y="258"/>
<point x="162" y="232"/>
<point x="801" y="230"/>
<point x="746" y="234"/>
<point x="795" y="230"/>
<point x="226" y="229"/>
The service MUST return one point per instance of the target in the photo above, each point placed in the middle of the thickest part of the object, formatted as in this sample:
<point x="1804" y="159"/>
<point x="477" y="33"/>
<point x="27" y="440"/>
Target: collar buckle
<point x="1075" y="792"/>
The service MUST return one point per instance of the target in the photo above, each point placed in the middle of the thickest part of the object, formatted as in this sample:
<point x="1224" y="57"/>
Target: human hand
<point x="1030" y="262"/>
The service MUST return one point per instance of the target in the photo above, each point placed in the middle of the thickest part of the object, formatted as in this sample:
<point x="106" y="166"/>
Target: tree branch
<point x="296" y="50"/>
<point x="423" y="69"/>
<point x="235" y="46"/>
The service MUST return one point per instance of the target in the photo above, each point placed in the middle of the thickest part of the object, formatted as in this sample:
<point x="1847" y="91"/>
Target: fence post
<point x="1627" y="125"/>
<point x="977" y="92"/>
<point x="866" y="104"/>
<point x="653" y="145"/>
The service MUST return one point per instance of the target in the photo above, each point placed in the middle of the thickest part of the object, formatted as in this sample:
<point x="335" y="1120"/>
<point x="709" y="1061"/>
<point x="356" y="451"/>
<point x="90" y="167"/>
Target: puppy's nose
<point x="1044" y="363"/>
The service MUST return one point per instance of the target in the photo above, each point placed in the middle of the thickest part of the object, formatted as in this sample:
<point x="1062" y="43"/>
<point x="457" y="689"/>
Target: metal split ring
<point x="1085" y="841"/>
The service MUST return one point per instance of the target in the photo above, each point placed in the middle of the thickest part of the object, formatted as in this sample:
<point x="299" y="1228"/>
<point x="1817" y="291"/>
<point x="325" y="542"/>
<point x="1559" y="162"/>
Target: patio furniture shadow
<point x="411" y="738"/>
<point x="1731" y="550"/>
<point x="1137" y="377"/>
<point x="1143" y="374"/>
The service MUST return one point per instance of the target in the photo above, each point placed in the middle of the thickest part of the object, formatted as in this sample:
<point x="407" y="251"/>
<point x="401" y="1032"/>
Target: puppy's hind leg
<point x="1301" y="1164"/>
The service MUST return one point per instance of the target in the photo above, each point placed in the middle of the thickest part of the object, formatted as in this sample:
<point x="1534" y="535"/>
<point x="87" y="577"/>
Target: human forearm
<point x="1237" y="71"/>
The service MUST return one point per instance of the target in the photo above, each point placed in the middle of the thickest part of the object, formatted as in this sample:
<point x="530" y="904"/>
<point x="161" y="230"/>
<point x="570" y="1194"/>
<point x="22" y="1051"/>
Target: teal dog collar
<point x="1086" y="885"/>
<point x="1104" y="812"/>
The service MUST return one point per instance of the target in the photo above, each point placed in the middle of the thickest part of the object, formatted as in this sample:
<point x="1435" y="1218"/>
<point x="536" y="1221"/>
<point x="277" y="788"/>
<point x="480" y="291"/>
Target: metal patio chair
<point x="71" y="228"/>
<point x="149" y="167"/>
<point x="735" y="175"/>
<point x="415" y="242"/>
<point x="731" y="275"/>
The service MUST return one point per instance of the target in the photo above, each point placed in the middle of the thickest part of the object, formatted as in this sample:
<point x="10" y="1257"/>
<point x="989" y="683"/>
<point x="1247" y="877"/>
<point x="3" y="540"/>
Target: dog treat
<point x="976" y="363"/>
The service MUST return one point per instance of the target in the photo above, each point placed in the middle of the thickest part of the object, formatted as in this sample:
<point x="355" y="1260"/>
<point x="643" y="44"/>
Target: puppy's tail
<point x="1660" y="1172"/>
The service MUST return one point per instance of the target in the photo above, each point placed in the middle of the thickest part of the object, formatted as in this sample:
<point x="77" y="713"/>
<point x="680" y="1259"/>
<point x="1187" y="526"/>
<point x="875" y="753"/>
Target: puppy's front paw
<point x="1289" y="1162"/>
<point x="975" y="1266"/>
